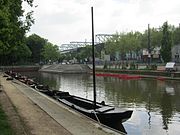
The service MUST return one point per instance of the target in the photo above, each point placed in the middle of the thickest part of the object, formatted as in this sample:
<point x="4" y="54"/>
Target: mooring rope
<point x="96" y="117"/>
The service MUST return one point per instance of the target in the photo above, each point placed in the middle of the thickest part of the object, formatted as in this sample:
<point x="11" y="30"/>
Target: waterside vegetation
<point x="5" y="128"/>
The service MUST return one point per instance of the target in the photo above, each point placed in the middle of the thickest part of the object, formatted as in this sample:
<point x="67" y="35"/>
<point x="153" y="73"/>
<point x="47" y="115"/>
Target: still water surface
<point x="155" y="104"/>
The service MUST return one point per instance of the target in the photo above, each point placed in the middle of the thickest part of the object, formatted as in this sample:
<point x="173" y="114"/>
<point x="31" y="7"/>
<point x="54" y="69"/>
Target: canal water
<point x="155" y="103"/>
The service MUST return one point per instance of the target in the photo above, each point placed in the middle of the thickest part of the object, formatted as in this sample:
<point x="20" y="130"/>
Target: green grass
<point x="5" y="128"/>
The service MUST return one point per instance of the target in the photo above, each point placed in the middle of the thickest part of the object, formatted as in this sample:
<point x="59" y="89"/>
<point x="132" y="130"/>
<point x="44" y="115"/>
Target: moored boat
<point x="101" y="112"/>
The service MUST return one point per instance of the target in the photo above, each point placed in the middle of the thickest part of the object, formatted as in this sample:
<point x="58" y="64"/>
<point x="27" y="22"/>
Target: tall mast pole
<point x="93" y="57"/>
<point x="149" y="44"/>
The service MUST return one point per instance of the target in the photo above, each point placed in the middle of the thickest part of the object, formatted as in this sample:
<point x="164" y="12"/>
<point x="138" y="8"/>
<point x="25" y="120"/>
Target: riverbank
<point x="80" y="68"/>
<point x="41" y="115"/>
<point x="59" y="68"/>
<point x="144" y="73"/>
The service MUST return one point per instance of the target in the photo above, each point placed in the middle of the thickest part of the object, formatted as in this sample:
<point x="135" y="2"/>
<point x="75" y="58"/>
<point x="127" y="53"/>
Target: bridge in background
<point x="99" y="38"/>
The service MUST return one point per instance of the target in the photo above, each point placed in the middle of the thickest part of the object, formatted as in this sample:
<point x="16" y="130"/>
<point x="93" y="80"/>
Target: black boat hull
<point x="103" y="113"/>
<point x="108" y="118"/>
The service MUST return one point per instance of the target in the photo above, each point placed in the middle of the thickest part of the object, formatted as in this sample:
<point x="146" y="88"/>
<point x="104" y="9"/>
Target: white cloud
<point x="62" y="21"/>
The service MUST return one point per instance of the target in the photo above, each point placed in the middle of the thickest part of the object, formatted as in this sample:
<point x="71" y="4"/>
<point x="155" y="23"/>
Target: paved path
<point x="36" y="121"/>
<point x="65" y="121"/>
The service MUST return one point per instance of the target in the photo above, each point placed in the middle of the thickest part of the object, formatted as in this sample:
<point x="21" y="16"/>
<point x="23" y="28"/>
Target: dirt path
<point x="25" y="116"/>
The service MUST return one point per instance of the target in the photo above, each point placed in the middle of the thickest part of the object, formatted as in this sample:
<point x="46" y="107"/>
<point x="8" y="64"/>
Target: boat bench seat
<point x="104" y="109"/>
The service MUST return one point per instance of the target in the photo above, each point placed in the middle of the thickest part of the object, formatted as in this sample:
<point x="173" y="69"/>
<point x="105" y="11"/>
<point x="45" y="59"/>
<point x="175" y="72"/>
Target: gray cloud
<point x="62" y="21"/>
<point x="63" y="18"/>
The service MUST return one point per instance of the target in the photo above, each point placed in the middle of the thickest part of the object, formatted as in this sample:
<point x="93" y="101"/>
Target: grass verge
<point x="5" y="128"/>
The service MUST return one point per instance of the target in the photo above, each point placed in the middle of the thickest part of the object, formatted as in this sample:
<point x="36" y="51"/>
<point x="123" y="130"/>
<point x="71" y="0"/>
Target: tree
<point x="86" y="52"/>
<point x="176" y="37"/>
<point x="20" y="54"/>
<point x="131" y="42"/>
<point x="35" y="44"/>
<point x="50" y="52"/>
<point x="156" y="35"/>
<point x="111" y="44"/>
<point x="123" y="43"/>
<point x="155" y="38"/>
<point x="13" y="26"/>
<point x="166" y="43"/>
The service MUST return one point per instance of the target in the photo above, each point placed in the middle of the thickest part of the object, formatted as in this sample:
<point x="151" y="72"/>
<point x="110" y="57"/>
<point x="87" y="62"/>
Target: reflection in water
<point x="170" y="91"/>
<point x="167" y="109"/>
<point x="149" y="110"/>
<point x="156" y="104"/>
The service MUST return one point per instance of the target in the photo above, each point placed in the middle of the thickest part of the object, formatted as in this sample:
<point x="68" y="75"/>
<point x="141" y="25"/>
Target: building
<point x="175" y="53"/>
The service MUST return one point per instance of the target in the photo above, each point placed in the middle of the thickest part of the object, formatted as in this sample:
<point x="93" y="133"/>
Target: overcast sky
<point x="63" y="21"/>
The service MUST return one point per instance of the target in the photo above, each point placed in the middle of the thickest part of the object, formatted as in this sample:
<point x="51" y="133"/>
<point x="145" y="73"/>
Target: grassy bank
<point x="5" y="128"/>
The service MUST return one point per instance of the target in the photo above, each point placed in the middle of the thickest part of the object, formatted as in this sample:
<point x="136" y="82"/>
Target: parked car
<point x="171" y="66"/>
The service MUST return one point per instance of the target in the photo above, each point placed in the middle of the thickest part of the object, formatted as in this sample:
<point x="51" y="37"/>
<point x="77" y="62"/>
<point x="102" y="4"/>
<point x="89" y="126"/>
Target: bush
<point x="105" y="66"/>
<point x="124" y="66"/>
<point x="154" y="67"/>
<point x="151" y="67"/>
<point x="132" y="66"/>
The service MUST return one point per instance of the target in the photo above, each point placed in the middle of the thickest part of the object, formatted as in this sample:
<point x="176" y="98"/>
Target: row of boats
<point x="101" y="112"/>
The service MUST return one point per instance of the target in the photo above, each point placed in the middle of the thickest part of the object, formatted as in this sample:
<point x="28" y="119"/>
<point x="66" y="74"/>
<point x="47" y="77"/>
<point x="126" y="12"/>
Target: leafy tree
<point x="124" y="45"/>
<point x="62" y="57"/>
<point x="155" y="38"/>
<point x="131" y="42"/>
<point x="50" y="52"/>
<point x="81" y="53"/>
<point x="86" y="52"/>
<point x="111" y="44"/>
<point x="166" y="43"/>
<point x="156" y="35"/>
<point x="20" y="53"/>
<point x="176" y="37"/>
<point x="123" y="42"/>
<point x="13" y="26"/>
<point x="35" y="44"/>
